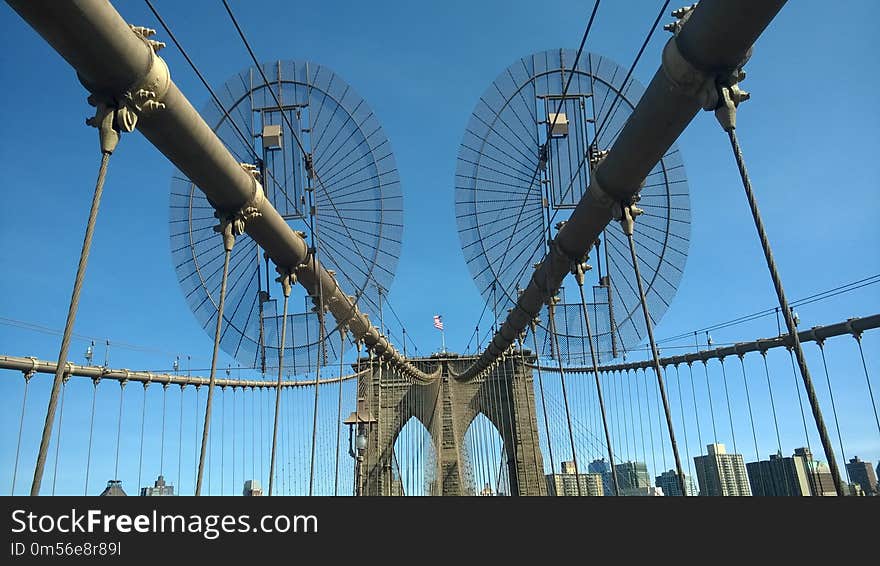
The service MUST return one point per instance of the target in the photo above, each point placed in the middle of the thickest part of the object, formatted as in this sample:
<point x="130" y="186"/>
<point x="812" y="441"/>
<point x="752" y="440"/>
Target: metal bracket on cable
<point x="107" y="121"/>
<point x="578" y="269"/>
<point x="715" y="91"/>
<point x="729" y="98"/>
<point x="142" y="98"/>
<point x="287" y="278"/>
<point x="703" y="84"/>
<point x="628" y="218"/>
<point x="233" y="224"/>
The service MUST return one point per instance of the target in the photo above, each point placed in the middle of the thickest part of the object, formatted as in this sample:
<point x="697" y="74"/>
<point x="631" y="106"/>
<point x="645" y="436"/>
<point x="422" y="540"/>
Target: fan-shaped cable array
<point x="353" y="193"/>
<point x="510" y="198"/>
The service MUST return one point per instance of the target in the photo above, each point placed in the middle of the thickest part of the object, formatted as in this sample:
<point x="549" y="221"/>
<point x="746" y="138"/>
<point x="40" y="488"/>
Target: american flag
<point x="438" y="324"/>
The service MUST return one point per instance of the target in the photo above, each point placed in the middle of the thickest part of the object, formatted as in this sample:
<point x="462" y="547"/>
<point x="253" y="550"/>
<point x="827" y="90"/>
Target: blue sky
<point x="809" y="135"/>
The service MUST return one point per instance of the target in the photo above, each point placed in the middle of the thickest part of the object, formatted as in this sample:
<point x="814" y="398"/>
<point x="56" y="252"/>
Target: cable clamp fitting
<point x="628" y="219"/>
<point x="287" y="278"/>
<point x="729" y="98"/>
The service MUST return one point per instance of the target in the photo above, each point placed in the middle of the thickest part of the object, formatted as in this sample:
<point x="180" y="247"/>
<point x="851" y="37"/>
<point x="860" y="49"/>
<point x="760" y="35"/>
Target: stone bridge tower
<point x="446" y="407"/>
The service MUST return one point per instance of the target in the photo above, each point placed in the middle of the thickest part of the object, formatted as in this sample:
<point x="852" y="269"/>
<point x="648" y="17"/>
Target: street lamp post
<point x="358" y="423"/>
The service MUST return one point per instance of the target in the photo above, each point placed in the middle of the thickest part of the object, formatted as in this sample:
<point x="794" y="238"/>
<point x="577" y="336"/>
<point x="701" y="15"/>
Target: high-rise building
<point x="568" y="482"/>
<point x="818" y="474"/>
<point x="779" y="476"/>
<point x="252" y="488"/>
<point x="668" y="482"/>
<point x="862" y="473"/>
<point x="633" y="477"/>
<point x="114" y="488"/>
<point x="853" y="490"/>
<point x="650" y="491"/>
<point x="720" y="473"/>
<point x="159" y="488"/>
<point x="603" y="468"/>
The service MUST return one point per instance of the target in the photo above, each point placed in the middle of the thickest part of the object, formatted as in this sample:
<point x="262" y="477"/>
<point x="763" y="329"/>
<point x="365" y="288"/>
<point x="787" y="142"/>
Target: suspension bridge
<point x="573" y="211"/>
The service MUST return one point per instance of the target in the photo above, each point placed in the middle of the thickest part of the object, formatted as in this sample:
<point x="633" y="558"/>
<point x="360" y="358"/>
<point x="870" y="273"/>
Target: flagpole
<point x="443" y="339"/>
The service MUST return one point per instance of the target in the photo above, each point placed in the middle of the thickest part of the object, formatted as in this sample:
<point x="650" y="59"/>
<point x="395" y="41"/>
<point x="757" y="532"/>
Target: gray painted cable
<point x="821" y="344"/>
<point x="656" y="357"/>
<point x="551" y="308"/>
<point x="27" y="381"/>
<point x="599" y="388"/>
<point x="544" y="408"/>
<point x="858" y="338"/>
<point x="91" y="433"/>
<point x="278" y="389"/>
<point x="68" y="325"/>
<point x="227" y="252"/>
<point x="58" y="442"/>
<point x="119" y="429"/>
<point x="786" y="312"/>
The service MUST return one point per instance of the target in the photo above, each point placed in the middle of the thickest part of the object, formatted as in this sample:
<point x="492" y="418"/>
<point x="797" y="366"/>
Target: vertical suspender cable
<point x="222" y="437"/>
<point x="141" y="449"/>
<point x="821" y="344"/>
<point x="234" y="431"/>
<point x="711" y="404"/>
<point x="543" y="401"/>
<point x="285" y="280"/>
<point x="800" y="401"/>
<point x="858" y="337"/>
<point x="226" y="228"/>
<point x="162" y="441"/>
<point x="253" y="434"/>
<point x="321" y="338"/>
<point x="641" y="423"/>
<point x="659" y="431"/>
<point x="339" y="410"/>
<point x="632" y="414"/>
<point x="683" y="424"/>
<point x="91" y="432"/>
<point x="58" y="442"/>
<point x="27" y="380"/>
<point x="243" y="433"/>
<point x="742" y="364"/>
<point x="322" y="352"/>
<point x="772" y="402"/>
<point x="507" y="400"/>
<point x="696" y="412"/>
<point x="532" y="419"/>
<point x="729" y="410"/>
<point x="650" y="424"/>
<point x="627" y="221"/>
<point x="551" y="309"/>
<point x="196" y="436"/>
<point x="579" y="275"/>
<point x="119" y="429"/>
<point x="726" y="115"/>
<point x="180" y="443"/>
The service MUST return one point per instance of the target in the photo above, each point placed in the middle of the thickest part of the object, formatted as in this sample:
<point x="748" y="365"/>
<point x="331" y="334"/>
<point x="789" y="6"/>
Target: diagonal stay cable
<point x="616" y="99"/>
<point x="545" y="147"/>
<point x="220" y="106"/>
<point x="299" y="144"/>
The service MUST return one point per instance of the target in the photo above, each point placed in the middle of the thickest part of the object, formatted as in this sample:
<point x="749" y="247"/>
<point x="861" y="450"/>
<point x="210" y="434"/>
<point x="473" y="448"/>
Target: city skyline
<point x="147" y="324"/>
